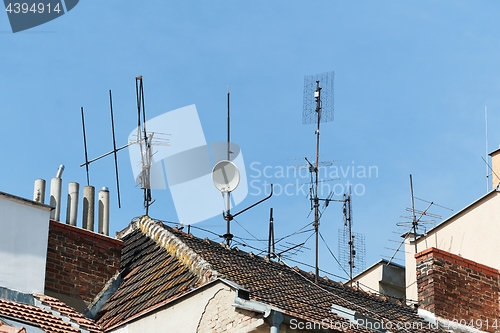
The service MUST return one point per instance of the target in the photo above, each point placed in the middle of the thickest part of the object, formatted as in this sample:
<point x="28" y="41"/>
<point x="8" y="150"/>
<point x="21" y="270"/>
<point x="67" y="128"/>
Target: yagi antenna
<point x="416" y="221"/>
<point x="144" y="139"/>
<point x="114" y="151"/>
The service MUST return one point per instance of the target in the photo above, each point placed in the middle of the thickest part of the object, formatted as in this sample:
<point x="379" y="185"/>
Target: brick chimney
<point x="495" y="166"/>
<point x="79" y="264"/>
<point x="458" y="289"/>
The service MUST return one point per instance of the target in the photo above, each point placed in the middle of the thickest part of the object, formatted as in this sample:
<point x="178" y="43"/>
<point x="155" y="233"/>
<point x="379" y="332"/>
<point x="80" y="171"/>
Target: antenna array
<point x="416" y="227"/>
<point x="309" y="114"/>
<point x="318" y="107"/>
<point x="145" y="139"/>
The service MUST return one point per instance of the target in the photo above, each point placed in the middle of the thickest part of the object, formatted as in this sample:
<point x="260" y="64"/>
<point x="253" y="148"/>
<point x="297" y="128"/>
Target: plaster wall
<point x="24" y="227"/>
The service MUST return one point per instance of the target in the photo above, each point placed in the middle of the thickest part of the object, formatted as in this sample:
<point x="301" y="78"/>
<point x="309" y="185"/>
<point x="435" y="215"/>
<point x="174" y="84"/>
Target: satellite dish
<point x="226" y="176"/>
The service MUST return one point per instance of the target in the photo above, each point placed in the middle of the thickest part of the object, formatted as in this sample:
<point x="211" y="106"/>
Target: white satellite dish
<point x="226" y="176"/>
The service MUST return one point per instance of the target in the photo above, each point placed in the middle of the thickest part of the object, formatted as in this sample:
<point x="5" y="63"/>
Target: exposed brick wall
<point x="79" y="263"/>
<point x="456" y="288"/>
<point x="220" y="317"/>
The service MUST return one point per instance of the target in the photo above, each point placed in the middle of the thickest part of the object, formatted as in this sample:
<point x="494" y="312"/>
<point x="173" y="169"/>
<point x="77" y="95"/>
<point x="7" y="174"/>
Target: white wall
<point x="24" y="228"/>
<point x="369" y="280"/>
<point x="472" y="233"/>
<point x="183" y="316"/>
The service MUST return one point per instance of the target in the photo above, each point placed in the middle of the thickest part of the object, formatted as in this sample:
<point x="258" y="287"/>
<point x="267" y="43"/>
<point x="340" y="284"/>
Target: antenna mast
<point x="144" y="144"/>
<point x="486" y="151"/>
<point x="348" y="224"/>
<point x="308" y="114"/>
<point x="317" y="95"/>
<point x="271" y="251"/>
<point x="228" y="236"/>
<point x="414" y="222"/>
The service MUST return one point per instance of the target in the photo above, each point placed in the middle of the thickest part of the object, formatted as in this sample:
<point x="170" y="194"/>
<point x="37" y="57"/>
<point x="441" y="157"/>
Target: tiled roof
<point x="157" y="270"/>
<point x="69" y="312"/>
<point x="52" y="317"/>
<point x="151" y="277"/>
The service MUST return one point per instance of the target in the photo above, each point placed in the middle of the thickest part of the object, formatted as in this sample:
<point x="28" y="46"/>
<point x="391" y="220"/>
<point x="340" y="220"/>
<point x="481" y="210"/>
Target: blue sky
<point x="412" y="79"/>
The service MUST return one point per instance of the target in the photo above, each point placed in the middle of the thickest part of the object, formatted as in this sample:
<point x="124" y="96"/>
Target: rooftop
<point x="48" y="315"/>
<point x="161" y="264"/>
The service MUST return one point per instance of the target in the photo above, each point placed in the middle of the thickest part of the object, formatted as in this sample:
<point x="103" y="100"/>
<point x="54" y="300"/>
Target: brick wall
<point x="79" y="263"/>
<point x="456" y="288"/>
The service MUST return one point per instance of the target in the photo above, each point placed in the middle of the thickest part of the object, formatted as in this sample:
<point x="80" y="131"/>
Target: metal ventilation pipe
<point x="39" y="192"/>
<point x="55" y="194"/>
<point x="103" y="213"/>
<point x="72" y="207"/>
<point x="88" y="207"/>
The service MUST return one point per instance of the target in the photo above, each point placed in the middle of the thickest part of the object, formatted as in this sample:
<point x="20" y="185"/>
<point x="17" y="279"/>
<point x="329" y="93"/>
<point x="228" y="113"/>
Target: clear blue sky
<point x="412" y="79"/>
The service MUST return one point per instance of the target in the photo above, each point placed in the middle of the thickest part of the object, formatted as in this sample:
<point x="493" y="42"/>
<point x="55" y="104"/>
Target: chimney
<point x="495" y="167"/>
<point x="88" y="207"/>
<point x="72" y="205"/>
<point x="55" y="194"/>
<point x="39" y="192"/>
<point x="103" y="213"/>
<point x="455" y="288"/>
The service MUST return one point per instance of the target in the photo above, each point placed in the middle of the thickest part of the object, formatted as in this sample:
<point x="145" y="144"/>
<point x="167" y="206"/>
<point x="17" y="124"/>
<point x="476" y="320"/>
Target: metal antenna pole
<point x="317" y="95"/>
<point x="143" y="138"/>
<point x="414" y="219"/>
<point x="270" y="244"/>
<point x="486" y="152"/>
<point x="114" y="147"/>
<point x="85" y="147"/>
<point x="228" y="215"/>
<point x="318" y="107"/>
<point x="351" y="237"/>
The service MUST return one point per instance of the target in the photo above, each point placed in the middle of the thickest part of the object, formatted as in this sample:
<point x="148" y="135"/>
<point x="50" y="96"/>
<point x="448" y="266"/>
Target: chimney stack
<point x="39" y="192"/>
<point x="88" y="207"/>
<point x="72" y="205"/>
<point x="103" y="213"/>
<point x="450" y="286"/>
<point x="55" y="194"/>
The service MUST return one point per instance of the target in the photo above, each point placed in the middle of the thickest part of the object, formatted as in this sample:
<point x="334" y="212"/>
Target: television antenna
<point x="145" y="139"/>
<point x="271" y="250"/>
<point x="351" y="244"/>
<point x="114" y="151"/>
<point x="226" y="178"/>
<point x="416" y="220"/>
<point x="317" y="108"/>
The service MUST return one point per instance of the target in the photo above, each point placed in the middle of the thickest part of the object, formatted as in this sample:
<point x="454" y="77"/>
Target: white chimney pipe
<point x="60" y="171"/>
<point x="88" y="207"/>
<point x="55" y="198"/>
<point x="72" y="208"/>
<point x="103" y="214"/>
<point x="39" y="192"/>
<point x="55" y="194"/>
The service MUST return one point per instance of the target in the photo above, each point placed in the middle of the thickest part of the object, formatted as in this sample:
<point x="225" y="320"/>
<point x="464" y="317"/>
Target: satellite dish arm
<point x="255" y="204"/>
